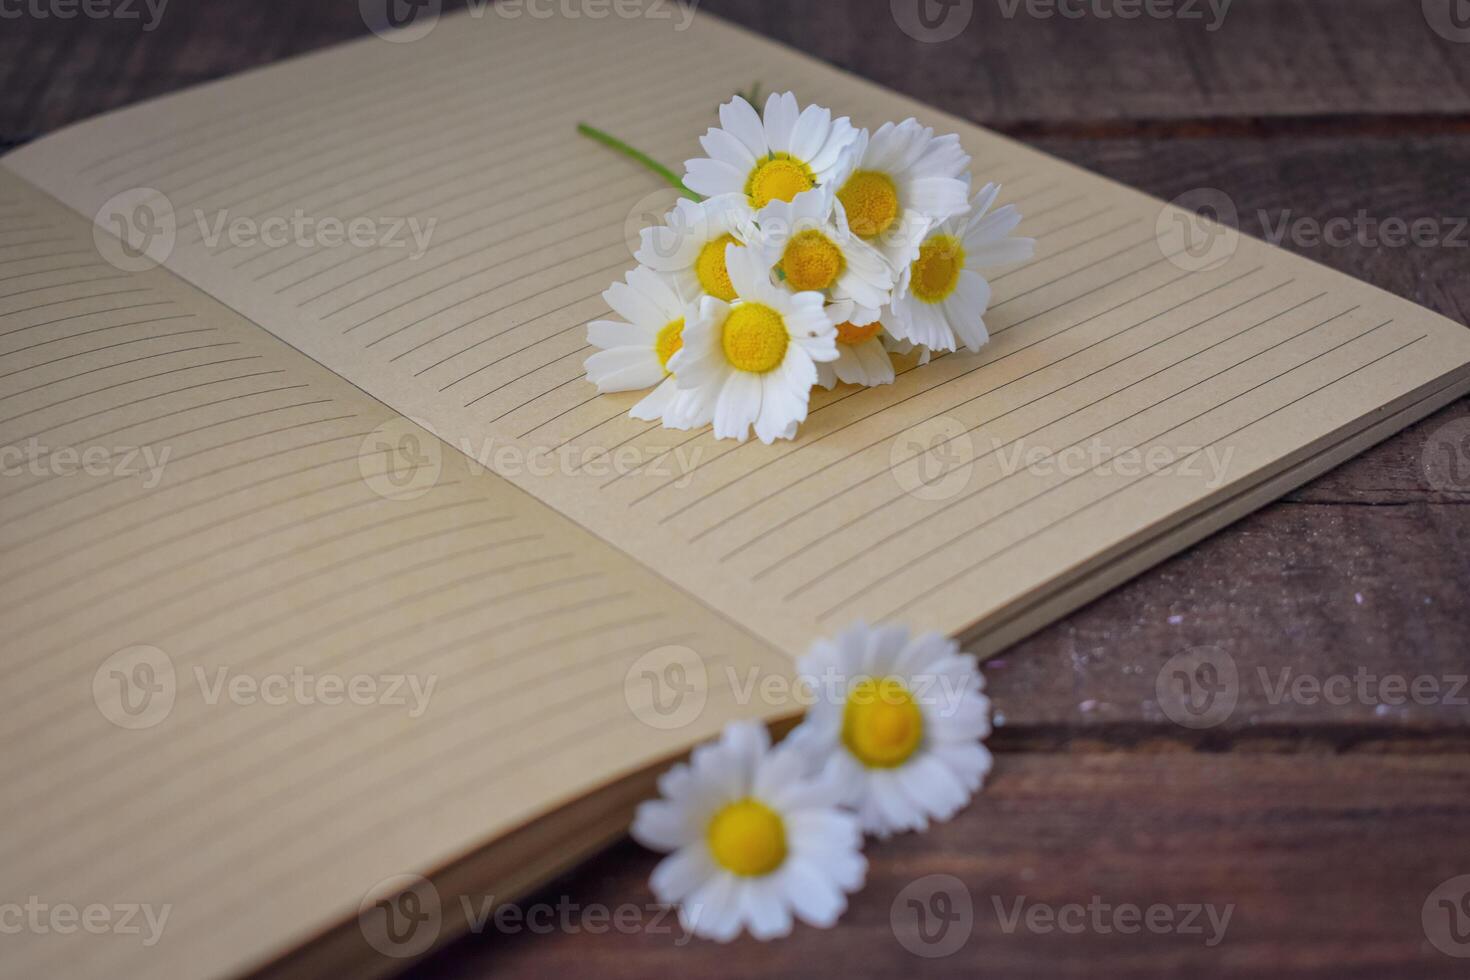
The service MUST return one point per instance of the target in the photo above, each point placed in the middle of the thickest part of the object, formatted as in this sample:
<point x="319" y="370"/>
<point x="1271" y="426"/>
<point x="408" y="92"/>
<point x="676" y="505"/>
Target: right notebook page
<point x="1146" y="367"/>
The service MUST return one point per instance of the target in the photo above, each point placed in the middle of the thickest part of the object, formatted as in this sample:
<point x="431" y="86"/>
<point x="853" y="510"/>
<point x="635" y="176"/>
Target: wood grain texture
<point x="1019" y="65"/>
<point x="1326" y="823"/>
<point x="1303" y="847"/>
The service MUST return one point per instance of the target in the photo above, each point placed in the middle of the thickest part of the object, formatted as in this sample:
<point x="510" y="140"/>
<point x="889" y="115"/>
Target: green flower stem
<point x="639" y="156"/>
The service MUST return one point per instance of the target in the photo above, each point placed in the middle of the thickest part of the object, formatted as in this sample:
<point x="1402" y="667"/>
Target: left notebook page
<point x="268" y="643"/>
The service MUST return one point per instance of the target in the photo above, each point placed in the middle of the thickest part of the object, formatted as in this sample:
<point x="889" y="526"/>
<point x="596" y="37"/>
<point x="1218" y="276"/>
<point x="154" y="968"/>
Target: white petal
<point x="740" y="119"/>
<point x="938" y="197"/>
<point x="827" y="162"/>
<point x="610" y="334"/>
<point x="889" y="809"/>
<point x="992" y="227"/>
<point x="749" y="273"/>
<point x="623" y="369"/>
<point x="943" y="157"/>
<point x="633" y="304"/>
<point x="965" y="309"/>
<point x="724" y="146"/>
<point x="681" y="874"/>
<point x="766" y="908"/>
<point x="779" y="120"/>
<point x="970" y="762"/>
<point x="1002" y="252"/>
<point x="738" y="407"/>
<point x="928" y="783"/>
<point x="714" y="910"/>
<point x="815" y="897"/>
<point x="713" y="178"/>
<point x="658" y="401"/>
<point x="810" y="133"/>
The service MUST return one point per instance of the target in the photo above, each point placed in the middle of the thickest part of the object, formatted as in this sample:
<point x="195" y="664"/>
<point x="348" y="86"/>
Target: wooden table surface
<point x="1324" y="813"/>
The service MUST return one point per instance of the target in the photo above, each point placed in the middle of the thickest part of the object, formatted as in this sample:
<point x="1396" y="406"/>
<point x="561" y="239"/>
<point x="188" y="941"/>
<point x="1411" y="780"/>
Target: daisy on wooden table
<point x="753" y="841"/>
<point x="899" y="721"/>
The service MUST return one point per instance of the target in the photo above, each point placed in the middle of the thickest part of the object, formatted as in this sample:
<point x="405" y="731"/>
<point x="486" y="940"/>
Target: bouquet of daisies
<point x="806" y="251"/>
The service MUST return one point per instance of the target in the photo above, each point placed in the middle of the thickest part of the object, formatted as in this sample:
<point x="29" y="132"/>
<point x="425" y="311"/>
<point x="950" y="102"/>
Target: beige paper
<point x="1149" y="377"/>
<point x="258" y="520"/>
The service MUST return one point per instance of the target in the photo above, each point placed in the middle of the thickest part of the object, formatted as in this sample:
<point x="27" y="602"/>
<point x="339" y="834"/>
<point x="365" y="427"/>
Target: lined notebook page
<point x="257" y="517"/>
<point x="1127" y="387"/>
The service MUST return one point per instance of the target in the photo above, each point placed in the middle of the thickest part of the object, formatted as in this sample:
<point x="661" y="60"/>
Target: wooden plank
<point x="1366" y="600"/>
<point x="1014" y="65"/>
<point x="1077" y="60"/>
<point x="1326" y="860"/>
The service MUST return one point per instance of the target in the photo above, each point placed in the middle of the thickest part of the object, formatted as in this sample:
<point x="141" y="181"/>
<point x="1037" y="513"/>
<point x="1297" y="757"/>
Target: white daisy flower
<point x="862" y="353"/>
<point x="752" y="840"/>
<point x="809" y="243"/>
<point x="895" y="183"/>
<point x="768" y="157"/>
<point x="941" y="296"/>
<point x="753" y="363"/>
<point x="690" y="245"/>
<point x="636" y="354"/>
<point x="897" y="720"/>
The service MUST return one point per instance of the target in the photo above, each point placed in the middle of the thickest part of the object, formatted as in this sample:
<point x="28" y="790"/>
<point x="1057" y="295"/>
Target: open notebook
<point x="304" y="520"/>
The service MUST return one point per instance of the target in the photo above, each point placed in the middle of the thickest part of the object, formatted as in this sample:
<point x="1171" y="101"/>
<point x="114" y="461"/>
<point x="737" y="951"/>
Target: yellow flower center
<point x="850" y="334"/>
<point x="711" y="271"/>
<point x="748" y="838"/>
<point x="881" y="724"/>
<point x="871" y="202"/>
<point x="754" y="337"/>
<point x="811" y="261"/>
<point x="668" y="342"/>
<point x="937" y="270"/>
<point x="779" y="177"/>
